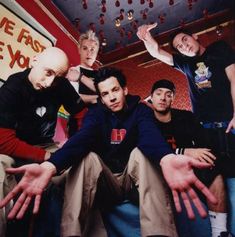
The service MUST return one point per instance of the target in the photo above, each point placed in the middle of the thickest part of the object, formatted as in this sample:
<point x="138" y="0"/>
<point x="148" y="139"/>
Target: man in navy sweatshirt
<point x="118" y="148"/>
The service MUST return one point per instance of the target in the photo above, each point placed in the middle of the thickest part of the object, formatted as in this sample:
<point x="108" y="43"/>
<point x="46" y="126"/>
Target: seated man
<point x="29" y="102"/>
<point x="186" y="136"/>
<point x="118" y="148"/>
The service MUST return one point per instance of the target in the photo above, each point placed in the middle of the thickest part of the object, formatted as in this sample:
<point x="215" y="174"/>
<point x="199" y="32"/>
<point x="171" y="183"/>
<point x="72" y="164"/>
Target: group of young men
<point x="119" y="147"/>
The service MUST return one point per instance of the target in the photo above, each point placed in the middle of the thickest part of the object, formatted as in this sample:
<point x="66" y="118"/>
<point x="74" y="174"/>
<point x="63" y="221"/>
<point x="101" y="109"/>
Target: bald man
<point x="29" y="102"/>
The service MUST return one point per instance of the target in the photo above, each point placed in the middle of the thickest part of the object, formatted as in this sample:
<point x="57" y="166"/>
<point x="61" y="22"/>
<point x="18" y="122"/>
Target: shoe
<point x="225" y="234"/>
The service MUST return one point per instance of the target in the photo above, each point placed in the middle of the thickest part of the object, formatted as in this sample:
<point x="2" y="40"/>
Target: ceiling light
<point x="104" y="42"/>
<point x="117" y="22"/>
<point x="130" y="15"/>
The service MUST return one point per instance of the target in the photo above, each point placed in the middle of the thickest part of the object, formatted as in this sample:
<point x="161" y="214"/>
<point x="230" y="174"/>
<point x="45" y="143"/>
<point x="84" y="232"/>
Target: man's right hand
<point x="143" y="32"/>
<point x="73" y="74"/>
<point x="35" y="179"/>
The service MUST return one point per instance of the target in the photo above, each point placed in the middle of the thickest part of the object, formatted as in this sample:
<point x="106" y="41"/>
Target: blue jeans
<point x="192" y="228"/>
<point x="231" y="204"/>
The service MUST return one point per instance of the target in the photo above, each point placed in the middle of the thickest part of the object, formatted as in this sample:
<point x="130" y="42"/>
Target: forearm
<point x="88" y="82"/>
<point x="155" y="51"/>
<point x="230" y="72"/>
<point x="89" y="99"/>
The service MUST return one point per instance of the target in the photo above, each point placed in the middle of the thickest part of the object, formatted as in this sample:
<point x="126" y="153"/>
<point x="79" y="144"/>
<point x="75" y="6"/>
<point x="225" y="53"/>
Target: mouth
<point x="190" y="49"/>
<point x="39" y="86"/>
<point x="162" y="105"/>
<point x="113" y="106"/>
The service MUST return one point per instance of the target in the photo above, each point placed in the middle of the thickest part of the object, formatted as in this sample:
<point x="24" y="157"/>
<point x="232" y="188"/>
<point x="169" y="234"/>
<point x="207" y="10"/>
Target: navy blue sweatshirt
<point x="113" y="136"/>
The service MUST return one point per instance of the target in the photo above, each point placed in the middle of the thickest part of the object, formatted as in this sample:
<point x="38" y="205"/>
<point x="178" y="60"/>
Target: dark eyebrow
<point x="51" y="70"/>
<point x="183" y="37"/>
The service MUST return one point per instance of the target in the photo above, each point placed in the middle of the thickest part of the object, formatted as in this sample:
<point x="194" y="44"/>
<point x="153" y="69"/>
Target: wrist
<point x="165" y="159"/>
<point x="49" y="167"/>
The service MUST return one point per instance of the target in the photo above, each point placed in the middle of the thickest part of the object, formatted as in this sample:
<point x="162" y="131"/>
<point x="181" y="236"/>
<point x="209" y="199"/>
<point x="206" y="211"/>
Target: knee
<point x="93" y="162"/>
<point x="6" y="161"/>
<point x="136" y="155"/>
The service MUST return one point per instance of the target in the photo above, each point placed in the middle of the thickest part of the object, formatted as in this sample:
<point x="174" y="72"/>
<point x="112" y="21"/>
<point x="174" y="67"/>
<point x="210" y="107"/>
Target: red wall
<point x="63" y="41"/>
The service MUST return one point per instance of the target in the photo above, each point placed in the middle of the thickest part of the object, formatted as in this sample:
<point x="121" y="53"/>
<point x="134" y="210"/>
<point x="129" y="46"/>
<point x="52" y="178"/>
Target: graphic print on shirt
<point x="171" y="141"/>
<point x="40" y="111"/>
<point x="203" y="76"/>
<point x="117" y="135"/>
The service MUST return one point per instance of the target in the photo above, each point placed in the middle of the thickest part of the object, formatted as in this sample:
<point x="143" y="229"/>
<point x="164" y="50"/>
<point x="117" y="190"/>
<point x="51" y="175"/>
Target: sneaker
<point x="225" y="234"/>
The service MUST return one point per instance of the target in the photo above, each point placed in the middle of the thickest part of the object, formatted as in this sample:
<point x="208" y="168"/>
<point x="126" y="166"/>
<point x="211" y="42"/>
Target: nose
<point x="185" y="46"/>
<point x="163" y="97"/>
<point x="112" y="98"/>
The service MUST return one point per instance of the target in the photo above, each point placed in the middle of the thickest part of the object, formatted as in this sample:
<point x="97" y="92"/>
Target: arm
<point x="230" y="72"/>
<point x="10" y="144"/>
<point x="89" y="99"/>
<point x="152" y="46"/>
<point x="36" y="177"/>
<point x="74" y="74"/>
<point x="177" y="169"/>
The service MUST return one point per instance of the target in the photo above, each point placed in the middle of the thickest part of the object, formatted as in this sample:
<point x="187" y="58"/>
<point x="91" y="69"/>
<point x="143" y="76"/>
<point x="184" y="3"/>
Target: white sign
<point x="19" y="42"/>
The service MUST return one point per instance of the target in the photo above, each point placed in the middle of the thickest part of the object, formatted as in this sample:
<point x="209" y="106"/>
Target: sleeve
<point x="12" y="146"/>
<point x="79" y="145"/>
<point x="227" y="53"/>
<point x="9" y="143"/>
<point x="150" y="140"/>
<point x="70" y="99"/>
<point x="180" y="62"/>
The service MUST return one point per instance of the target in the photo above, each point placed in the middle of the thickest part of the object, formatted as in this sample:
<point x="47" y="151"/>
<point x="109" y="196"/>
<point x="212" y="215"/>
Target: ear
<point x="195" y="36"/>
<point x="79" y="48"/>
<point x="125" y="89"/>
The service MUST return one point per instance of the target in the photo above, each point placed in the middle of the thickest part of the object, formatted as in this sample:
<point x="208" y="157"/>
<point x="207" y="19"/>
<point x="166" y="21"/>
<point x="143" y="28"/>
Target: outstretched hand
<point x="143" y="31"/>
<point x="178" y="172"/>
<point x="35" y="179"/>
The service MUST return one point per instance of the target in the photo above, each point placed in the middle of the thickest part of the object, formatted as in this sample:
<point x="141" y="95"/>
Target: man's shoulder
<point x="220" y="46"/>
<point x="142" y="106"/>
<point x="15" y="80"/>
<point x="181" y="114"/>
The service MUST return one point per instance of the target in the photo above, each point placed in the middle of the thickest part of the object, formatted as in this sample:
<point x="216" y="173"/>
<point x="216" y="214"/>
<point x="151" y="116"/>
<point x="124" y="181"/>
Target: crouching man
<point x="117" y="148"/>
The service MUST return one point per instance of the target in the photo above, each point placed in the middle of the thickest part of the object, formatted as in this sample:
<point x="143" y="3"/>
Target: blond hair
<point x="89" y="35"/>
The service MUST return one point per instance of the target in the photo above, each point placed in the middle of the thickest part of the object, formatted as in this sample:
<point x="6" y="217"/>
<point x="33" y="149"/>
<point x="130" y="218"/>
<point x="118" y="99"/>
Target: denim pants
<point x="223" y="145"/>
<point x="231" y="203"/>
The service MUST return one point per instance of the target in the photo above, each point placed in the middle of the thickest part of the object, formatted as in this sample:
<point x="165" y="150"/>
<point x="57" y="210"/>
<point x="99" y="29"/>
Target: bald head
<point x="47" y="65"/>
<point x="54" y="58"/>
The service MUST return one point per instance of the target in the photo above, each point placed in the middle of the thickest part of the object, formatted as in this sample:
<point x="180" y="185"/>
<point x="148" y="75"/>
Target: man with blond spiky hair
<point x="82" y="75"/>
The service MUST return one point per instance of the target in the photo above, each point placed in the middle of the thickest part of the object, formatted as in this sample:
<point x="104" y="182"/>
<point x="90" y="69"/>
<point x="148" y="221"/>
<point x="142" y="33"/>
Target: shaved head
<point x="54" y="58"/>
<point x="46" y="66"/>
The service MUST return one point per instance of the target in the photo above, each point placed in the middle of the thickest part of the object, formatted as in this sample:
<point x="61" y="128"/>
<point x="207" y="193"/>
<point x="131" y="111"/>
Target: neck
<point x="86" y="67"/>
<point x="163" y="117"/>
<point x="201" y="50"/>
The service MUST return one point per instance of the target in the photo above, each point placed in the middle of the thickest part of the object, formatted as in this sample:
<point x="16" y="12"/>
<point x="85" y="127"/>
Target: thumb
<point x="152" y="26"/>
<point x="15" y="170"/>
<point x="229" y="128"/>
